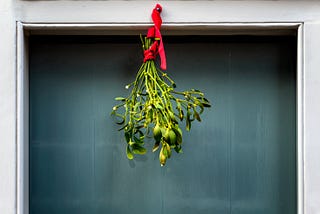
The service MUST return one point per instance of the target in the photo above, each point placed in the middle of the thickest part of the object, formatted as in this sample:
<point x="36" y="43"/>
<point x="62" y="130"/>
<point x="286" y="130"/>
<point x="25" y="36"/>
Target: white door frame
<point x="21" y="18"/>
<point x="24" y="29"/>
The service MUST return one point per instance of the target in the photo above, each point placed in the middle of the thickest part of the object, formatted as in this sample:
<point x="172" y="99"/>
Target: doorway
<point x="241" y="159"/>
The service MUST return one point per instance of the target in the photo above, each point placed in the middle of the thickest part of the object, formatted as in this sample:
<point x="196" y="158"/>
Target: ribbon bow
<point x="154" y="32"/>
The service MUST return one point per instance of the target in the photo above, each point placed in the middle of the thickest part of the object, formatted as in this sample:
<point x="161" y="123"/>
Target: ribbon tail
<point x="161" y="51"/>
<point x="162" y="55"/>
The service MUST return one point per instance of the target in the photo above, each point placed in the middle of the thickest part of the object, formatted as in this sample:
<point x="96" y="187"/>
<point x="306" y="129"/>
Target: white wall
<point x="31" y="11"/>
<point x="7" y="110"/>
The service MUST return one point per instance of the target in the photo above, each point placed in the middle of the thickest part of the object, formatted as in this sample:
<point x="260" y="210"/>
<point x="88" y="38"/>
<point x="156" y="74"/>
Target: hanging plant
<point x="154" y="108"/>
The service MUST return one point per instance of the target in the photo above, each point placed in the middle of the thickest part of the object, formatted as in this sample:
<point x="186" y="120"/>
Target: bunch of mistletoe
<point x="154" y="107"/>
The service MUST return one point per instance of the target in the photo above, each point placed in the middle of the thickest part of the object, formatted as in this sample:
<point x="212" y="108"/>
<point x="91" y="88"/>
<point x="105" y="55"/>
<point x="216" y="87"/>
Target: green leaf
<point x="162" y="157"/>
<point x="205" y="102"/>
<point x="201" y="108"/>
<point x="178" y="149"/>
<point x="205" y="99"/>
<point x="178" y="132"/>
<point x="123" y="127"/>
<point x="120" y="122"/>
<point x="156" y="146"/>
<point x="120" y="119"/>
<point x="129" y="153"/>
<point x="164" y="151"/>
<point x="173" y="117"/>
<point x="188" y="124"/>
<point x="196" y="90"/>
<point x="138" y="140"/>
<point x="188" y="120"/>
<point x="181" y="115"/>
<point x="127" y="136"/>
<point x="168" y="148"/>
<point x="137" y="149"/>
<point x="206" y="105"/>
<point x="197" y="116"/>
<point x="120" y="98"/>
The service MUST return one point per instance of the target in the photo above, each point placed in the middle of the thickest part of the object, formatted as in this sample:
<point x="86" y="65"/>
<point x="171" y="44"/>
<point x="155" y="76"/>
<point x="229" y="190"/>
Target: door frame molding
<point x="22" y="79"/>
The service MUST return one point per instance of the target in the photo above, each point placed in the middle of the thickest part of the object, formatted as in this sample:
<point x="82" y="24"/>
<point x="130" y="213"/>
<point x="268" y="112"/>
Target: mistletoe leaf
<point x="127" y="136"/>
<point x="188" y="124"/>
<point x="138" y="140"/>
<point x="162" y="156"/>
<point x="156" y="146"/>
<point x="123" y="127"/>
<point x="120" y="119"/>
<point x="137" y="149"/>
<point x="201" y="108"/>
<point x="120" y="123"/>
<point x="178" y="149"/>
<point x="120" y="99"/>
<point x="206" y="105"/>
<point x="178" y="133"/>
<point x="129" y="153"/>
<point x="206" y="100"/>
<point x="197" y="116"/>
<point x="168" y="148"/>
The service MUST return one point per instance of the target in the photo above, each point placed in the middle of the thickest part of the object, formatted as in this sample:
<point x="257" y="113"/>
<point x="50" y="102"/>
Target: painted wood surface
<point x="240" y="159"/>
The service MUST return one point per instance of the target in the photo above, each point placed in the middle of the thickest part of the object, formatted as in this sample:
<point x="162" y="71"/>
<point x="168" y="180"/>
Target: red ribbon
<point x="154" y="32"/>
<point x="150" y="54"/>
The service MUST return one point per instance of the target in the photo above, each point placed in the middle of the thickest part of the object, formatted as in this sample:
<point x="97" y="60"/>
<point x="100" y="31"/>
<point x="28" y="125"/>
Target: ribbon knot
<point x="154" y="32"/>
<point x="150" y="54"/>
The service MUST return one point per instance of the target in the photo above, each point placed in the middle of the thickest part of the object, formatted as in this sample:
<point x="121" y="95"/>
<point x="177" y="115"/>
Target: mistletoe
<point x="154" y="108"/>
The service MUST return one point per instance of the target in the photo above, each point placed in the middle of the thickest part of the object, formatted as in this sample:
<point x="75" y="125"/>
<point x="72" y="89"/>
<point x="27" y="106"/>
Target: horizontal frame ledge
<point x="167" y="28"/>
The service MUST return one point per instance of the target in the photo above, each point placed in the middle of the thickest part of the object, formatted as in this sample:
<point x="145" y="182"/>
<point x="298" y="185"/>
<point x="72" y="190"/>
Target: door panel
<point x="241" y="159"/>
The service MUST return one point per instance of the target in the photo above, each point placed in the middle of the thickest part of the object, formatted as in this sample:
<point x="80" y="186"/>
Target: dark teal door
<point x="240" y="160"/>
